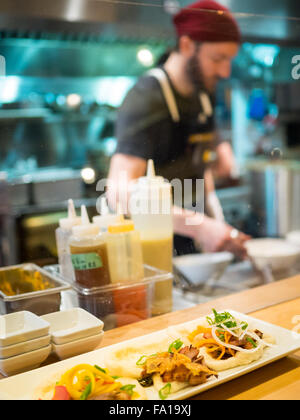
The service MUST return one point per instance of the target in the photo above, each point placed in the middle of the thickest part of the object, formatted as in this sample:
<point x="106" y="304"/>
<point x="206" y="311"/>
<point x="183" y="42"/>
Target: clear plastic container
<point x="128" y="302"/>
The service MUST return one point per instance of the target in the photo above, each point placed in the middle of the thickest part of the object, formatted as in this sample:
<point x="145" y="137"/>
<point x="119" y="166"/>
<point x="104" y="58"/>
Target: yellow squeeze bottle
<point x="126" y="266"/>
<point x="151" y="212"/>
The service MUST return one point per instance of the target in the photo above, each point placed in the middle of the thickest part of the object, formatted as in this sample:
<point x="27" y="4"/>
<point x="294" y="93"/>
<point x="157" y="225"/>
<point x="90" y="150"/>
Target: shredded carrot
<point x="205" y="342"/>
<point x="198" y="330"/>
<point x="212" y="349"/>
<point x="222" y="353"/>
<point x="227" y="336"/>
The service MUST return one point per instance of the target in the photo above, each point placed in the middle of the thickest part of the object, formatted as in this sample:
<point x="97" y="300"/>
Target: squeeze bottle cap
<point x="151" y="180"/>
<point x="72" y="220"/>
<point x="106" y="218"/>
<point x="86" y="228"/>
<point x="122" y="226"/>
<point x="152" y="187"/>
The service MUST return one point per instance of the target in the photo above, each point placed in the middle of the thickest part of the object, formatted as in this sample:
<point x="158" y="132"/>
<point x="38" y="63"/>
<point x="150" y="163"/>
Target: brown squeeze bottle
<point x="89" y="254"/>
<point x="89" y="259"/>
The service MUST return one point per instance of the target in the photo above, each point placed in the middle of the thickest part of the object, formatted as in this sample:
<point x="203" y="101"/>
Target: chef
<point x="168" y="116"/>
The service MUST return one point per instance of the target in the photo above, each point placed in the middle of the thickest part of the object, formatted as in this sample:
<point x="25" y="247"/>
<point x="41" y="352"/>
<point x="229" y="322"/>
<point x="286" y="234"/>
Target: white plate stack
<point x="73" y="332"/>
<point x="24" y="342"/>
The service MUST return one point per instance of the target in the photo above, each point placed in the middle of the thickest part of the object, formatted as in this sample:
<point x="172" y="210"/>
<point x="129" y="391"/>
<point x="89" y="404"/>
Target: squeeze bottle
<point x="125" y="259"/>
<point x="151" y="212"/>
<point x="63" y="234"/>
<point x="89" y="254"/>
<point x="106" y="218"/>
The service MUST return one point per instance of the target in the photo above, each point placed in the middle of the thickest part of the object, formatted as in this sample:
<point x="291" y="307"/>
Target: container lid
<point x="72" y="220"/>
<point x="122" y="226"/>
<point x="86" y="228"/>
<point x="106" y="218"/>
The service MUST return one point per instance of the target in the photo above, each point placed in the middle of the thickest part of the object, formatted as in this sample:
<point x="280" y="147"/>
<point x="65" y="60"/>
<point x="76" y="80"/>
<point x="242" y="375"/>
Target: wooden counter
<point x="276" y="303"/>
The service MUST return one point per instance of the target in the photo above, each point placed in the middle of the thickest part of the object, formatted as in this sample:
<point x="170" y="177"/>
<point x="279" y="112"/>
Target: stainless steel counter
<point x="238" y="277"/>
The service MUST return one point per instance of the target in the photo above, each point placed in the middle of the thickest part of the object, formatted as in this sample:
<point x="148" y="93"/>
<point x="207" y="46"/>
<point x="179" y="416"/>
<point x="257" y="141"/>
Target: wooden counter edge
<point x="246" y="302"/>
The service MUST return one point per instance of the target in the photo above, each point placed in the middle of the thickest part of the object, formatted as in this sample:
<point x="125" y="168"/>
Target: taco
<point x="90" y="382"/>
<point x="161" y="368"/>
<point x="226" y="342"/>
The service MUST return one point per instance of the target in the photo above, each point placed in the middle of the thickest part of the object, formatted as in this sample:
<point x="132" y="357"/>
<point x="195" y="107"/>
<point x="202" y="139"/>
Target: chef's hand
<point x="210" y="235"/>
<point x="235" y="243"/>
<point x="216" y="236"/>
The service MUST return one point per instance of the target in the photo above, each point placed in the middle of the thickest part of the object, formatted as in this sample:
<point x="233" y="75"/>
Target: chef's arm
<point x="124" y="169"/>
<point x="212" y="203"/>
<point x="225" y="165"/>
<point x="211" y="234"/>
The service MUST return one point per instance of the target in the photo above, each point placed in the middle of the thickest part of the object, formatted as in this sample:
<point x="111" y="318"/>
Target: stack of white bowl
<point x="24" y="342"/>
<point x="73" y="332"/>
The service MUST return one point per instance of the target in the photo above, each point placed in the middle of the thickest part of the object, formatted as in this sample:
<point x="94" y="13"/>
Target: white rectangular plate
<point x="24" y="385"/>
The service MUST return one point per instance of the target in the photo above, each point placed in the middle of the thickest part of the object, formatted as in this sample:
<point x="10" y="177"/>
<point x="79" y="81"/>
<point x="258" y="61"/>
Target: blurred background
<point x="69" y="64"/>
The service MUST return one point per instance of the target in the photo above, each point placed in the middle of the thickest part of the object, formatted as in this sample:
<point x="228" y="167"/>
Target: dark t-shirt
<point x="145" y="129"/>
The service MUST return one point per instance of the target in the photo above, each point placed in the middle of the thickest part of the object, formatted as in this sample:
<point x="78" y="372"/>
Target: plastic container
<point x="127" y="302"/>
<point x="151" y="212"/>
<point x="63" y="234"/>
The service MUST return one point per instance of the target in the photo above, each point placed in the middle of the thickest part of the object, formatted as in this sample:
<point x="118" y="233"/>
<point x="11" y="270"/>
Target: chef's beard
<point x="195" y="76"/>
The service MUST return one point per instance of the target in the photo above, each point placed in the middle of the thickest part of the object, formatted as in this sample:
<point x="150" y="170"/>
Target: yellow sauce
<point x="158" y="253"/>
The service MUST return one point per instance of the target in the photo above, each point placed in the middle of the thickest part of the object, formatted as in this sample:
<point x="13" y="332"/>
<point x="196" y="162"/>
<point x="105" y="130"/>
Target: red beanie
<point x="207" y="21"/>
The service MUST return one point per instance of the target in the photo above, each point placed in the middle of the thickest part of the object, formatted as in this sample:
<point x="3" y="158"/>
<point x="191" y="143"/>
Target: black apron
<point x="195" y="138"/>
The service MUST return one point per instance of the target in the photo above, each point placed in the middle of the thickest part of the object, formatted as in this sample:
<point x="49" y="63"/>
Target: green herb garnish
<point x="224" y="318"/>
<point x="99" y="368"/>
<point x="86" y="392"/>
<point x="251" y="341"/>
<point x="165" y="391"/>
<point x="142" y="360"/>
<point x="177" y="344"/>
<point x="128" y="389"/>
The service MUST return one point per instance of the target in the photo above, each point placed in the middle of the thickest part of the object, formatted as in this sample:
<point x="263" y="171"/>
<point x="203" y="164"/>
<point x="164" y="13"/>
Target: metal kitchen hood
<point x="260" y="20"/>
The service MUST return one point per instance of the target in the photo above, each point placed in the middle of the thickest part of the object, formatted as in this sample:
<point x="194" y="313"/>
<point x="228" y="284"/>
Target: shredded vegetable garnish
<point x="165" y="391"/>
<point x="226" y="336"/>
<point x="86" y="381"/>
<point x="176" y="345"/>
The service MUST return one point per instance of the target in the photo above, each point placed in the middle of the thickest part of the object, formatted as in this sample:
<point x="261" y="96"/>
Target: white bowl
<point x="24" y="347"/>
<point x="83" y="345"/>
<point x="21" y="326"/>
<point x="72" y="324"/>
<point x="24" y="362"/>
<point x="279" y="254"/>
<point x="200" y="268"/>
<point x="294" y="237"/>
